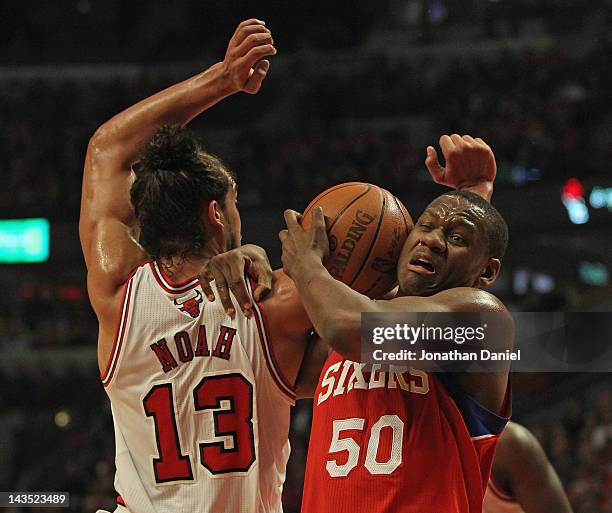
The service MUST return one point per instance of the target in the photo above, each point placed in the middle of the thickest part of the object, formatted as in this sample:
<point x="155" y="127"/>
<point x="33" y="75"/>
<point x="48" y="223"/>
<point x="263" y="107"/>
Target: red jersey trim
<point x="166" y="283"/>
<point x="268" y="351"/>
<point x="499" y="491"/>
<point x="120" y="501"/>
<point x="119" y="333"/>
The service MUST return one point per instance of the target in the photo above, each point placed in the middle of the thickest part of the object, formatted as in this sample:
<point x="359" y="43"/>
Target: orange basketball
<point x="367" y="227"/>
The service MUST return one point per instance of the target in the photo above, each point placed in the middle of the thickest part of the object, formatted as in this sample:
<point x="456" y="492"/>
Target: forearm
<point x="334" y="309"/>
<point x="483" y="189"/>
<point x="122" y="137"/>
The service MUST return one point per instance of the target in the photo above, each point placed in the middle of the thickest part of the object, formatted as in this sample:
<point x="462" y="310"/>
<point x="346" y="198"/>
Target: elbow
<point x="104" y="149"/>
<point x="100" y="140"/>
<point x="96" y="145"/>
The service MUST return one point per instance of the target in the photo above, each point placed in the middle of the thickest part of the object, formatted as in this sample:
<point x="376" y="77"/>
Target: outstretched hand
<point x="470" y="164"/>
<point x="303" y="248"/>
<point x="244" y="63"/>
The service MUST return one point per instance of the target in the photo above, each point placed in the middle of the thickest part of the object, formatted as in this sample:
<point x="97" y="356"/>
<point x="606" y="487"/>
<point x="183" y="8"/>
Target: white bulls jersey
<point x="498" y="501"/>
<point x="201" y="413"/>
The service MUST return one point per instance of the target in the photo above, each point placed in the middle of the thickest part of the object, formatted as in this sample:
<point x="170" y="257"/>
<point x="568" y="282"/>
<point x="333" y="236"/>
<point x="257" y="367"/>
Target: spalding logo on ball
<point x="367" y="227"/>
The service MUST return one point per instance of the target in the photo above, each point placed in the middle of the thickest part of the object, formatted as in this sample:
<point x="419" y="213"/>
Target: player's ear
<point x="214" y="215"/>
<point x="489" y="273"/>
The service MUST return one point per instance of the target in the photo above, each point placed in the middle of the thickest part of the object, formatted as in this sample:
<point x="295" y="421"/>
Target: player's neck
<point x="182" y="269"/>
<point x="179" y="271"/>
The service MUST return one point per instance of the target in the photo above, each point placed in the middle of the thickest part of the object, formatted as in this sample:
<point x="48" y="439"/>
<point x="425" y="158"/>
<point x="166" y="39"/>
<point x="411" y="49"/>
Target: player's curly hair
<point x="175" y="180"/>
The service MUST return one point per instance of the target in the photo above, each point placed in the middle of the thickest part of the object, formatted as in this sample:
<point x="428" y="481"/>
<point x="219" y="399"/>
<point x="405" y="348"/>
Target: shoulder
<point x="518" y="439"/>
<point x="469" y="299"/>
<point x="458" y="299"/>
<point x="282" y="286"/>
<point x="284" y="309"/>
<point x="283" y="296"/>
<point x="517" y="448"/>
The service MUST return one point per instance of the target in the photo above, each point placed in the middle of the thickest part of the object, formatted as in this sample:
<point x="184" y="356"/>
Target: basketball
<point x="367" y="227"/>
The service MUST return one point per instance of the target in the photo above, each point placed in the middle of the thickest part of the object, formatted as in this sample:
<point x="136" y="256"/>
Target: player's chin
<point x="413" y="284"/>
<point x="406" y="283"/>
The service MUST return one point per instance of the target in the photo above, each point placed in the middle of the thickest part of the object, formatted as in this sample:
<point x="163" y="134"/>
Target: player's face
<point x="447" y="248"/>
<point x="233" y="234"/>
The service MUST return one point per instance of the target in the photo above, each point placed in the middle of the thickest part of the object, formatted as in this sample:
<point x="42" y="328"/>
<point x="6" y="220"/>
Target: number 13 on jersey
<point x="229" y="397"/>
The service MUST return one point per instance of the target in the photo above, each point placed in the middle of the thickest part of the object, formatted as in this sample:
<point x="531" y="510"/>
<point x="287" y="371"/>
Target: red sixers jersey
<point x="400" y="441"/>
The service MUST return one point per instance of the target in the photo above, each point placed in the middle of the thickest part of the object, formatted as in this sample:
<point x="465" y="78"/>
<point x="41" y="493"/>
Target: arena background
<point x="356" y="92"/>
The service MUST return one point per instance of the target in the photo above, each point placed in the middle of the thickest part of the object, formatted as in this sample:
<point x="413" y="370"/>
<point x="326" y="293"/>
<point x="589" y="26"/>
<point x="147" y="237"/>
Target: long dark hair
<point x="175" y="180"/>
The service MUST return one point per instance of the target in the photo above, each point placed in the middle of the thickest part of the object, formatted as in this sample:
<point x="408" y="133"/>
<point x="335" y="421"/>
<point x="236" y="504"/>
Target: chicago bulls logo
<point x="190" y="305"/>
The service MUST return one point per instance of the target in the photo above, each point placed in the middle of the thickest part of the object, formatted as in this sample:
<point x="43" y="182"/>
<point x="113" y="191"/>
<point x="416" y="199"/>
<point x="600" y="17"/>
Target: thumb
<point x="256" y="76"/>
<point x="433" y="164"/>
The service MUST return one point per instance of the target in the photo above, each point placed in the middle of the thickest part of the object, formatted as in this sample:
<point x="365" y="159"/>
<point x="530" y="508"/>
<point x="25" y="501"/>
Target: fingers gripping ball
<point x="367" y="227"/>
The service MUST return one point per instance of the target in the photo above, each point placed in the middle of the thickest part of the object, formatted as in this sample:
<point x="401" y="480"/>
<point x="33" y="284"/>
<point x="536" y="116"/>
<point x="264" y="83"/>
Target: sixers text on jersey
<point x="396" y="441"/>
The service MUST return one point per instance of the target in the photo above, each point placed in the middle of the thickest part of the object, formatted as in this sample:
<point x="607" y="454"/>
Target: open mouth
<point x="422" y="265"/>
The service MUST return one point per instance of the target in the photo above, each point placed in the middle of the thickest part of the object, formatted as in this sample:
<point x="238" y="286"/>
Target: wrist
<point x="221" y="75"/>
<point x="255" y="253"/>
<point x="252" y="250"/>
<point x="309" y="272"/>
<point x="483" y="189"/>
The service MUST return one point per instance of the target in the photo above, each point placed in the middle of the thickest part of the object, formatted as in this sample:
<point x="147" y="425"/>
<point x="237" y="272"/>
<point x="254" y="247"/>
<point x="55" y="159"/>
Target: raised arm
<point x="107" y="226"/>
<point x="470" y="164"/>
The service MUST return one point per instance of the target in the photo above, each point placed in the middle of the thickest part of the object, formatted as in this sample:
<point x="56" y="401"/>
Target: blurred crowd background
<point x="354" y="94"/>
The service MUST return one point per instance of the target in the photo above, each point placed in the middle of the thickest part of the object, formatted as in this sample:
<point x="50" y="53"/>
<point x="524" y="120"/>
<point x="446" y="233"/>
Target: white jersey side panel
<point x="201" y="413"/>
